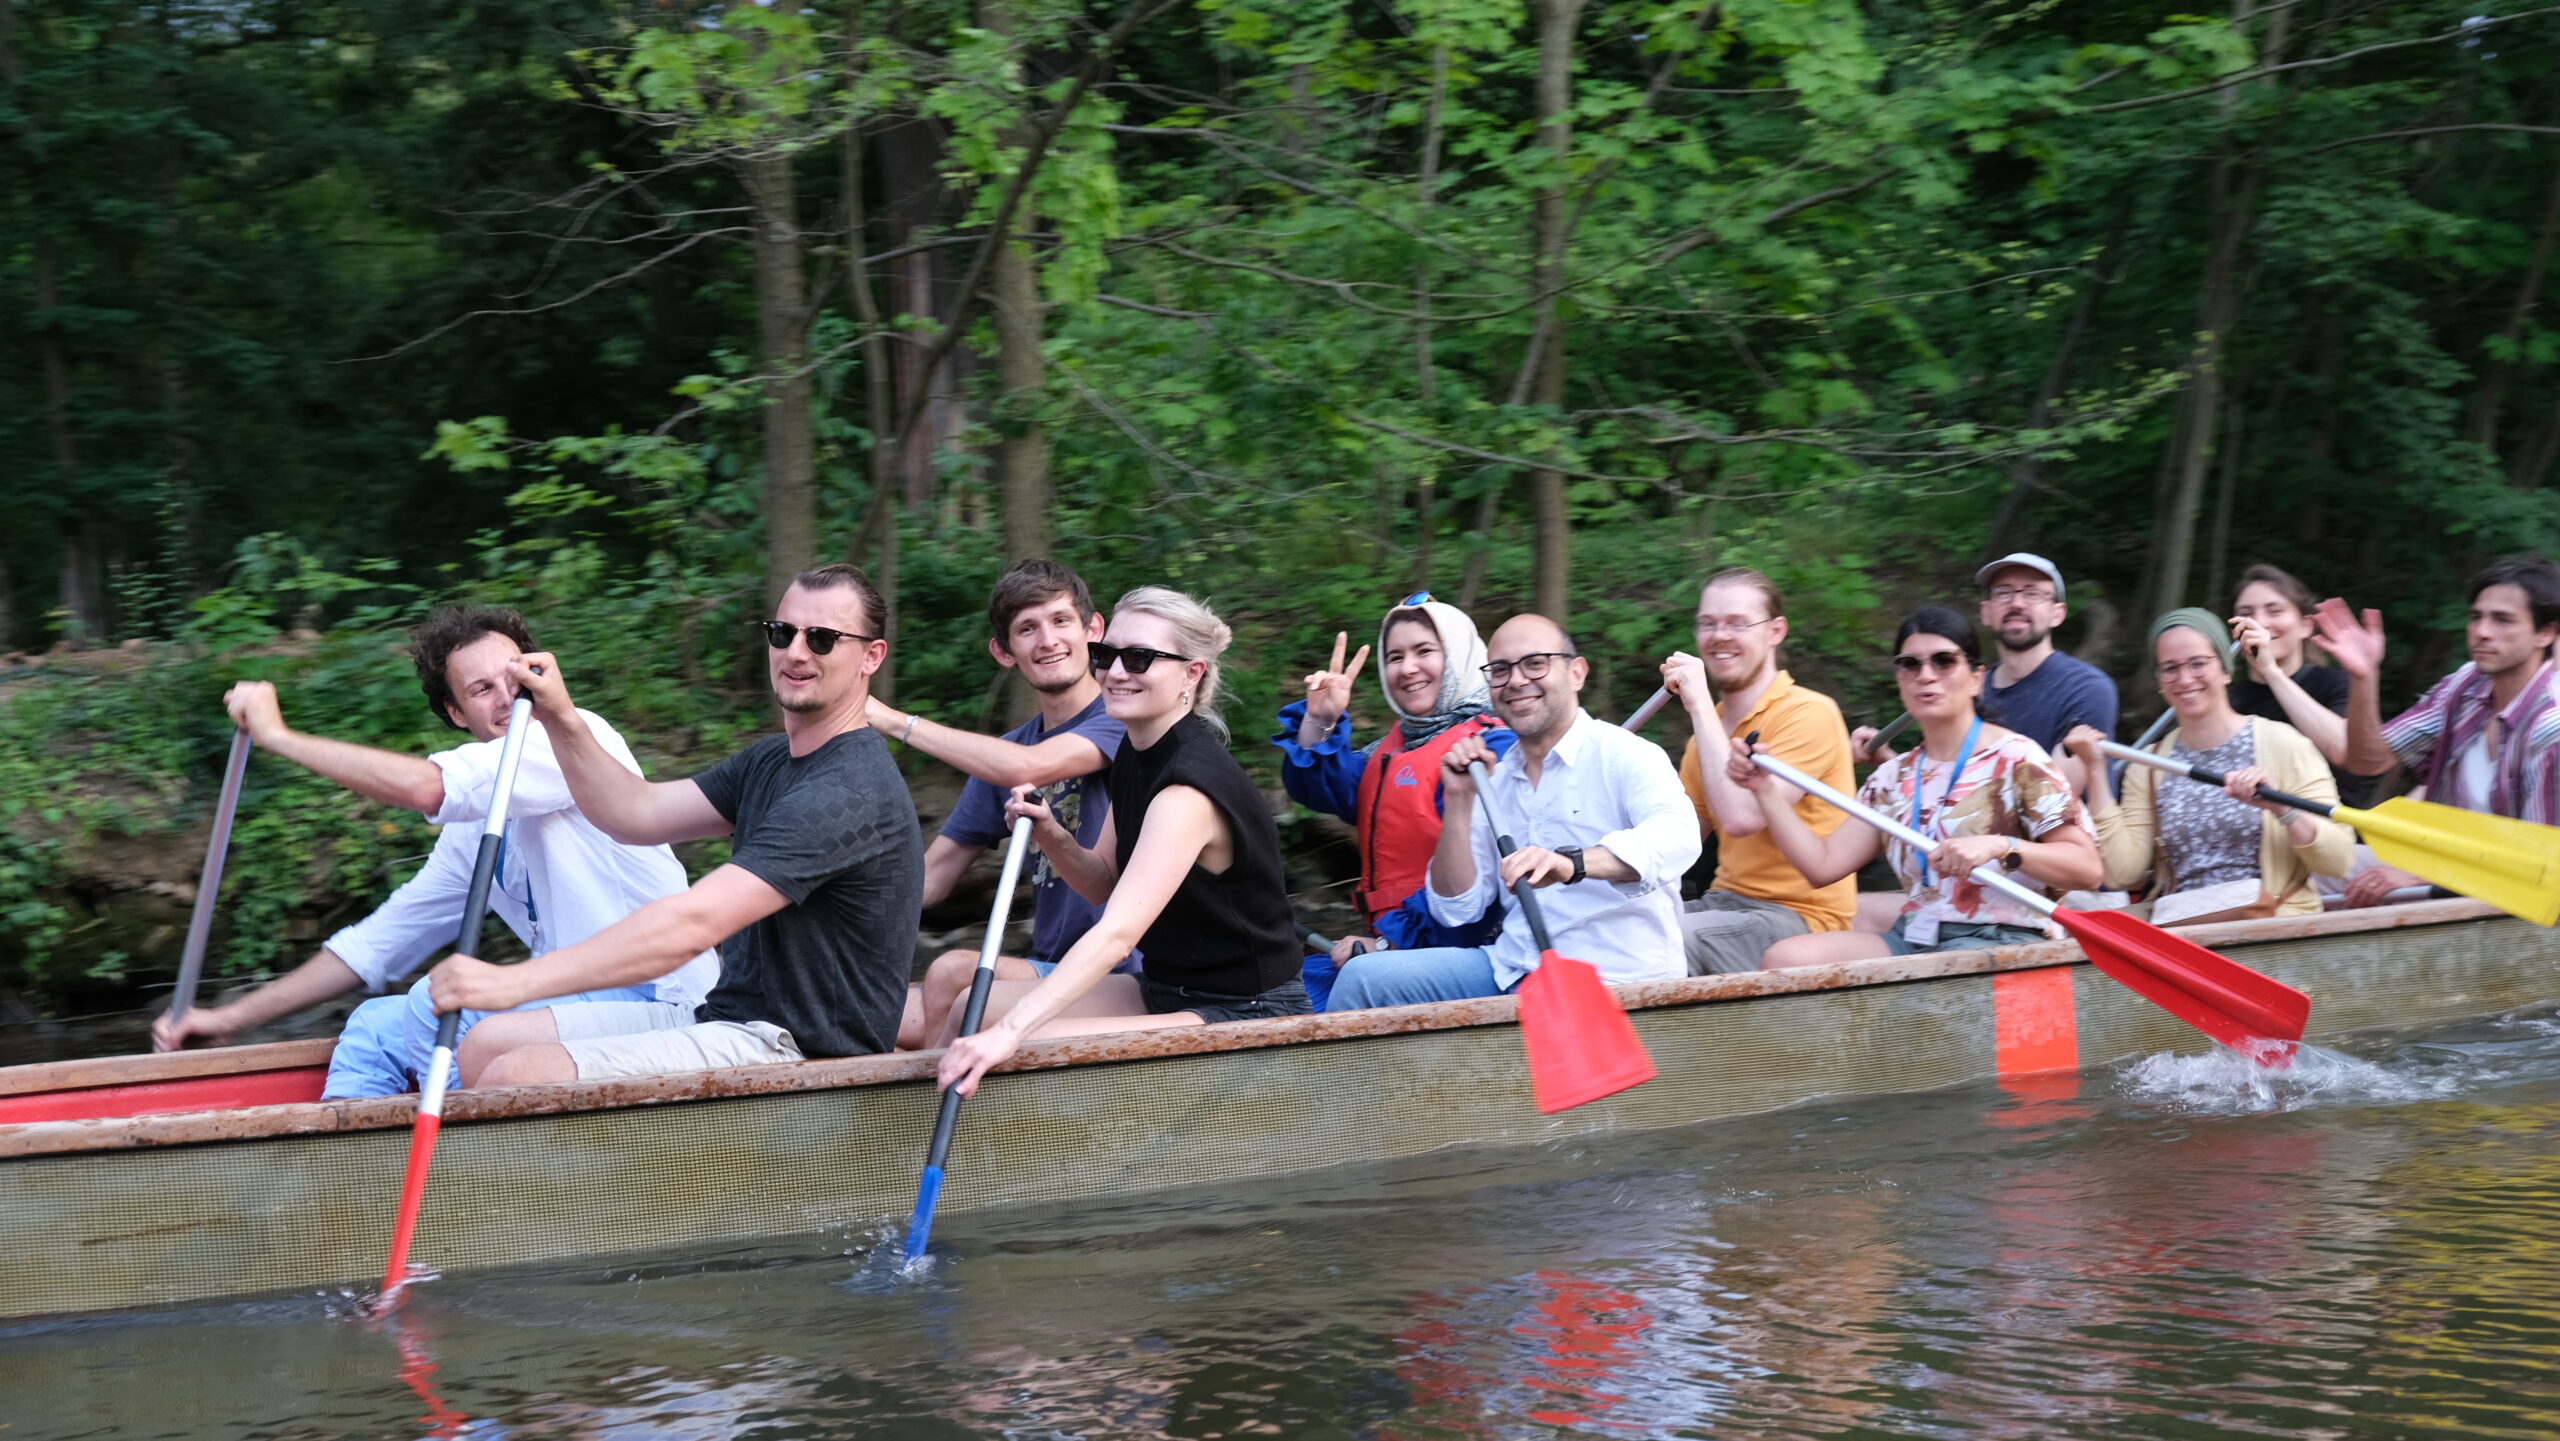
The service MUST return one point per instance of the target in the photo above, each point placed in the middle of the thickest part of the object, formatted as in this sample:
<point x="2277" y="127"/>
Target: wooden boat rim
<point x="463" y="1107"/>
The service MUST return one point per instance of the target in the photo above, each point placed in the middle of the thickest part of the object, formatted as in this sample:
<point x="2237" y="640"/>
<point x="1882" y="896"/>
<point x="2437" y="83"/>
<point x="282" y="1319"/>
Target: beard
<point x="2033" y="637"/>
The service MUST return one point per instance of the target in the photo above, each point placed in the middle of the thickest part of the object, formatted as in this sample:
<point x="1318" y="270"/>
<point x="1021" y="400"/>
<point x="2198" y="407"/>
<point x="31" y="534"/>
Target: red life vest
<point x="1399" y="814"/>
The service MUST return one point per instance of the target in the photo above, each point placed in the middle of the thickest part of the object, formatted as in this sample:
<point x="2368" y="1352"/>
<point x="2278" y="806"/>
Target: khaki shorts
<point x="702" y="1046"/>
<point x="1725" y="933"/>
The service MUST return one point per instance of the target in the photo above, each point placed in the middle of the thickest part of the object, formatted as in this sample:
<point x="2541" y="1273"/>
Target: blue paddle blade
<point x="920" y="1225"/>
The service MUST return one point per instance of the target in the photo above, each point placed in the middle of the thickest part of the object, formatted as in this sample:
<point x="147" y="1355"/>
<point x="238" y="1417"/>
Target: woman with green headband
<point x="2206" y="854"/>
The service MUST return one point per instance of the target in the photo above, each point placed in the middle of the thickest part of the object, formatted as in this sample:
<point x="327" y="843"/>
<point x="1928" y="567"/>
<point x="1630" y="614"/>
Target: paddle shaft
<point x="209" y="882"/>
<point x="929" y="1184"/>
<point x="1503" y="844"/>
<point x="1989" y="875"/>
<point x="475" y="913"/>
<point x="1652" y="705"/>
<point x="2150" y="733"/>
<point x="2199" y="773"/>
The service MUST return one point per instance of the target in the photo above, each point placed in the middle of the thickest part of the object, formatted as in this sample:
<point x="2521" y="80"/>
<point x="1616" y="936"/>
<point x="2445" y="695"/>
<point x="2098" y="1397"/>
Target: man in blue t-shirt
<point x="1041" y="617"/>
<point x="2032" y="689"/>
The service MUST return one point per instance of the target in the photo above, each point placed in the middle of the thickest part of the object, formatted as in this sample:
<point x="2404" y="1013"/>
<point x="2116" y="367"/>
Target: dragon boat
<point x="158" y="1180"/>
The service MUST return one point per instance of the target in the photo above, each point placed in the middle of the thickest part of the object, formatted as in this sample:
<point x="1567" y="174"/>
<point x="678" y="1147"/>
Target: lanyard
<point x="1918" y="792"/>
<point x="532" y="912"/>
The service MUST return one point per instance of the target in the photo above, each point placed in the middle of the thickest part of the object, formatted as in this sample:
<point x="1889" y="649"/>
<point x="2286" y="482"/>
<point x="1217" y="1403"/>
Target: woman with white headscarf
<point x="1431" y="665"/>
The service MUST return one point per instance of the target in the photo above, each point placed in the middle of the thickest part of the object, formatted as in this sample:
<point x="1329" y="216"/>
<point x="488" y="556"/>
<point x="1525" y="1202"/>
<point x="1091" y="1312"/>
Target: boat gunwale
<point x="464" y="1107"/>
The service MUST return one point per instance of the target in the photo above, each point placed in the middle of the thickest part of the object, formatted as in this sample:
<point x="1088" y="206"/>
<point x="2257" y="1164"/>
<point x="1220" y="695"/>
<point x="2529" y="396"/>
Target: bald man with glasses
<point x="1601" y="828"/>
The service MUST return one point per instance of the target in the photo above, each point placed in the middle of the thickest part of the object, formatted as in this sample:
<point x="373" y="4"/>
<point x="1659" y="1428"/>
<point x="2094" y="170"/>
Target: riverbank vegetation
<point x="621" y="312"/>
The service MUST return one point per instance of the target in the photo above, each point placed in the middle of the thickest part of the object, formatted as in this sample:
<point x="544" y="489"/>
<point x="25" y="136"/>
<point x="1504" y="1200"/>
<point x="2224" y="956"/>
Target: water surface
<point x="2173" y="1248"/>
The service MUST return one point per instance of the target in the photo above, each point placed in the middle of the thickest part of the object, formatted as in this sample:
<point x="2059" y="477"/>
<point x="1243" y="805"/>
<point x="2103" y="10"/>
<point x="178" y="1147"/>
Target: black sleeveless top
<point x="1232" y="934"/>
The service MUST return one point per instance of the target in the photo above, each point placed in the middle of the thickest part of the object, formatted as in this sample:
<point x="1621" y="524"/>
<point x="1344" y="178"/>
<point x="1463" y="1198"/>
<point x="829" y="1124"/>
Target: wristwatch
<point x="1573" y="854"/>
<point x="2013" y="857"/>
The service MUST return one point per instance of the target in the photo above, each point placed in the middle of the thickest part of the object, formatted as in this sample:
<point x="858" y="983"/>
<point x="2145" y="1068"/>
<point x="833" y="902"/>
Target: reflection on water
<point x="2182" y="1247"/>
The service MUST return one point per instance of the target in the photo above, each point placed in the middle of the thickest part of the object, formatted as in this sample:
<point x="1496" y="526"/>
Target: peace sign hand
<point x="1329" y="690"/>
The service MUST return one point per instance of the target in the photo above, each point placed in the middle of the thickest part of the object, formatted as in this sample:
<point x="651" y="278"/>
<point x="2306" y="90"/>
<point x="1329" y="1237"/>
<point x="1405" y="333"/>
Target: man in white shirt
<point x="1603" y="829"/>
<point x="559" y="878"/>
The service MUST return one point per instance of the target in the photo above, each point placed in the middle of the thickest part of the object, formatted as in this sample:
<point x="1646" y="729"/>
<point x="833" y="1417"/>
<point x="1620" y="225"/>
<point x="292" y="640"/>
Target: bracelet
<point x="908" y="735"/>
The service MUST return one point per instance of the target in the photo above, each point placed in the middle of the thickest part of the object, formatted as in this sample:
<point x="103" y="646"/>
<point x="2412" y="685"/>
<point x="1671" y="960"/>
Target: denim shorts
<point x="1164" y="999"/>
<point x="1954" y="937"/>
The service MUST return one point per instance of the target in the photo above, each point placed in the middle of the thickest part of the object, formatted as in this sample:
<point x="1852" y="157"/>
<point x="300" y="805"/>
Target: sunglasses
<point x="778" y="634"/>
<point x="1132" y="659"/>
<point x="1940" y="661"/>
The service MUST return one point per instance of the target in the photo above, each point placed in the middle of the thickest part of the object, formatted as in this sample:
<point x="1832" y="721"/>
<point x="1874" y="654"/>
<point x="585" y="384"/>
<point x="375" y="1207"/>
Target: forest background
<point x="318" y="313"/>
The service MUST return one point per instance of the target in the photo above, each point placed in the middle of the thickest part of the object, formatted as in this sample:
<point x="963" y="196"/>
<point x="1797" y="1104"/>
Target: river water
<point x="2169" y="1248"/>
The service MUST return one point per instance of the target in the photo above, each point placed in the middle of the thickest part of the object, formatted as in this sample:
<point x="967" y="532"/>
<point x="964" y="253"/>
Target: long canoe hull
<point x="157" y="1209"/>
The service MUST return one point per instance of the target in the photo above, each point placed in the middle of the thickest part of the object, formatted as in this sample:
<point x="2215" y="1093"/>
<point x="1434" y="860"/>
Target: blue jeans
<point x="1406" y="978"/>
<point x="384" y="1049"/>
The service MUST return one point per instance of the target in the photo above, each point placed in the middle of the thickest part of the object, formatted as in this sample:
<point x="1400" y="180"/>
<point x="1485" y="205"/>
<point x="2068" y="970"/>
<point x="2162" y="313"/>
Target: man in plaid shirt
<point x="2485" y="738"/>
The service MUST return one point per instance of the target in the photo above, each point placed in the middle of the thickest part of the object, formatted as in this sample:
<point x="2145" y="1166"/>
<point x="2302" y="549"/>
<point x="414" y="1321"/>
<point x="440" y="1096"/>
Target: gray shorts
<point x="702" y="1046"/>
<point x="1726" y="933"/>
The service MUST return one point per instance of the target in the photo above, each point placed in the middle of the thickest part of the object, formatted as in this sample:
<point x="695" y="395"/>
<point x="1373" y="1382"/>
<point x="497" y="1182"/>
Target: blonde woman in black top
<point x="1187" y="868"/>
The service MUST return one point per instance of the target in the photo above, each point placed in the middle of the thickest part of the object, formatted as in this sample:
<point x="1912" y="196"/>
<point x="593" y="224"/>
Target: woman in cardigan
<point x="2208" y="854"/>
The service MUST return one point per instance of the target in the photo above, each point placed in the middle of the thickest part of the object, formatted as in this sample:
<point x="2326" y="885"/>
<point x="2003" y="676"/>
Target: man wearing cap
<point x="2034" y="689"/>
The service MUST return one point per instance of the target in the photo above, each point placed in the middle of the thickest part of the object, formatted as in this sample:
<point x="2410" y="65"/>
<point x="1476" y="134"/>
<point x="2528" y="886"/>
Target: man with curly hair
<point x="559" y="878"/>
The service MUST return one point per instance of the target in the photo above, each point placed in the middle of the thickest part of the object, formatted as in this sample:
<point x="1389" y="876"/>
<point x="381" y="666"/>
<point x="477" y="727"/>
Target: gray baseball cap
<point x="2037" y="563"/>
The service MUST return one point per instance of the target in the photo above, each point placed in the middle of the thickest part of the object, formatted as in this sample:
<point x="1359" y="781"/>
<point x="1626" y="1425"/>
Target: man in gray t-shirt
<point x="815" y="912"/>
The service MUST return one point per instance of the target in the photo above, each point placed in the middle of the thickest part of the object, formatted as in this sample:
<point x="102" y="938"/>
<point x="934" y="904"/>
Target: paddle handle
<point x="1989" y="875"/>
<point x="929" y="1183"/>
<point x="209" y="882"/>
<point x="1652" y="706"/>
<point x="2211" y="778"/>
<point x="1892" y="728"/>
<point x="1502" y="844"/>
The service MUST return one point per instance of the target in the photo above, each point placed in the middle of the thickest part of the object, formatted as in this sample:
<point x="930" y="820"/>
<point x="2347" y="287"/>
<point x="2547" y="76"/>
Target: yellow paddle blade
<point x="2513" y="865"/>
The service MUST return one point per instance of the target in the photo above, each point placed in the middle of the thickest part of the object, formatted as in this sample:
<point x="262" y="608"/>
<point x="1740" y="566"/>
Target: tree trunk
<point x="1022" y="450"/>
<point x="1424" y="382"/>
<point x="913" y="199"/>
<point x="879" y="403"/>
<point x="1552" y="569"/>
<point x="2235" y="191"/>
<point x="2029" y="476"/>
<point x="2492" y="394"/>
<point x="790" y="450"/>
<point x="83" y="592"/>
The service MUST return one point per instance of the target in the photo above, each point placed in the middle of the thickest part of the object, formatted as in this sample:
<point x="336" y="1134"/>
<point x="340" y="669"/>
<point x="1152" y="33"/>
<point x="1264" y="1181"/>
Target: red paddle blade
<point x="2256" y="1015"/>
<point x="1581" y="1045"/>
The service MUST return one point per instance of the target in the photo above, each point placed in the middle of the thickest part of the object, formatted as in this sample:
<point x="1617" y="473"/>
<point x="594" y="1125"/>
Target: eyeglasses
<point x="778" y="634"/>
<point x="1532" y="666"/>
<point x="2031" y="594"/>
<point x="1729" y="627"/>
<point x="1133" y="659"/>
<point x="1941" y="661"/>
<point x="2193" y="665"/>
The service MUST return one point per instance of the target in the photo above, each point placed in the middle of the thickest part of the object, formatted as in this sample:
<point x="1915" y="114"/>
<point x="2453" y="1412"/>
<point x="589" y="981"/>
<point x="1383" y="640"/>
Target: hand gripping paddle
<point x="1580" y="1044"/>
<point x="2512" y="864"/>
<point x="2256" y="1015"/>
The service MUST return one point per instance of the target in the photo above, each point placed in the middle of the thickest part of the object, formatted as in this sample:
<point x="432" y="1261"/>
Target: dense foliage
<point x="321" y="311"/>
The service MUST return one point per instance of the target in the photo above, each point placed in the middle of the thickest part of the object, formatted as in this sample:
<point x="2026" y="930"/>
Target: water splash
<point x="2222" y="1082"/>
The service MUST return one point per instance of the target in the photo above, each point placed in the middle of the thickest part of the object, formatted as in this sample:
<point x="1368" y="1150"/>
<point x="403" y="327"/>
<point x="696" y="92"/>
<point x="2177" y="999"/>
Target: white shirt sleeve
<point x="1660" y="839"/>
<point x="1464" y="909"/>
<point x="471" y="775"/>
<point x="420" y="919"/>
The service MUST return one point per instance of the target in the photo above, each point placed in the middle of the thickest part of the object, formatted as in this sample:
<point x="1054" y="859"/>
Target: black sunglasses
<point x="778" y="634"/>
<point x="1937" y="660"/>
<point x="1133" y="659"/>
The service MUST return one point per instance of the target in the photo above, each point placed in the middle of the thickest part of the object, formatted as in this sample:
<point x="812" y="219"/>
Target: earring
<point x="1186" y="697"/>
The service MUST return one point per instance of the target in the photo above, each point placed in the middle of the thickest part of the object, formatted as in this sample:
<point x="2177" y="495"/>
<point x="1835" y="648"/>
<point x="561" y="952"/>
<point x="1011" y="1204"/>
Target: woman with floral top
<point x="1985" y="794"/>
<point x="2214" y="854"/>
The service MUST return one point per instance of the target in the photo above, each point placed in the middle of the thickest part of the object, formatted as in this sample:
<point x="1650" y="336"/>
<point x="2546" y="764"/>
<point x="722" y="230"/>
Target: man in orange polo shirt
<point x="1758" y="898"/>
